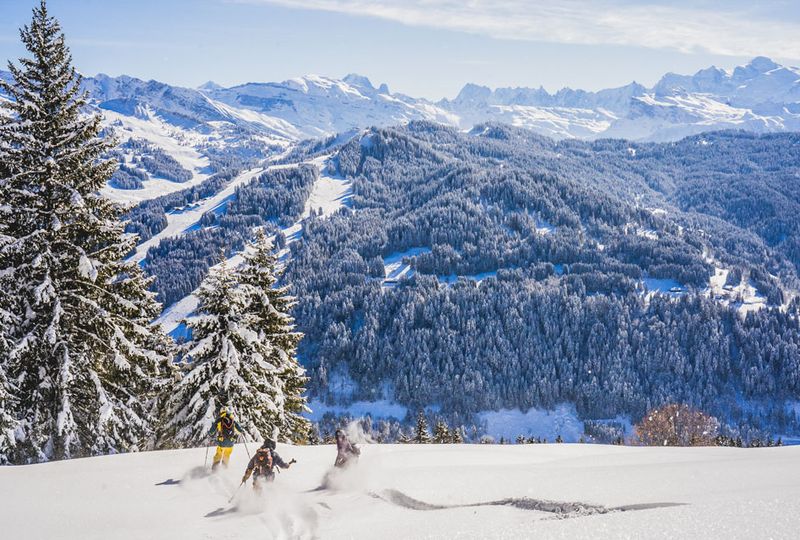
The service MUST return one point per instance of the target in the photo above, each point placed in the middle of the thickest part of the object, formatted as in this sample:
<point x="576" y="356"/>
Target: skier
<point x="263" y="463"/>
<point x="347" y="452"/>
<point x="226" y="430"/>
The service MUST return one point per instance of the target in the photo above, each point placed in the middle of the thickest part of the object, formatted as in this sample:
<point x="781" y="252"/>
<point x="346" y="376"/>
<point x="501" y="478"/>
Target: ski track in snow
<point x="329" y="194"/>
<point x="562" y="510"/>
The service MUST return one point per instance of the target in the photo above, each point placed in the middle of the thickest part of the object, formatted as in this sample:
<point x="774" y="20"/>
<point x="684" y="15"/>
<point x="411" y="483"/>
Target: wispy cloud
<point x="589" y="22"/>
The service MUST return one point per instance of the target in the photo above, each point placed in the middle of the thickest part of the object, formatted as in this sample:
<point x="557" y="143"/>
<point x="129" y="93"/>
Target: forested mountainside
<point x="502" y="269"/>
<point x="611" y="275"/>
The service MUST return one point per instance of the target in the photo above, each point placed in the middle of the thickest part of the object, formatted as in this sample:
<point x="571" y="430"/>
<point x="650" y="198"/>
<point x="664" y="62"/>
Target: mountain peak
<point x="359" y="81"/>
<point x="762" y="64"/>
<point x="210" y="86"/>
<point x="473" y="93"/>
<point x="363" y="84"/>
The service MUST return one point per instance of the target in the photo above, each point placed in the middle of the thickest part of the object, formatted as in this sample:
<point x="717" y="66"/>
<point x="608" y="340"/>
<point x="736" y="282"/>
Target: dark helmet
<point x="269" y="443"/>
<point x="340" y="434"/>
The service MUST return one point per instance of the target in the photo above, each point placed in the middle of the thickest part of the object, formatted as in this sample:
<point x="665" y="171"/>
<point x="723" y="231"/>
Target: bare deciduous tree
<point x="677" y="425"/>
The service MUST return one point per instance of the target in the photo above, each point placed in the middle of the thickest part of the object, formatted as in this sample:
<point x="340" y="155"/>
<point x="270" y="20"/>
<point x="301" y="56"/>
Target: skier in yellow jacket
<point x="227" y="431"/>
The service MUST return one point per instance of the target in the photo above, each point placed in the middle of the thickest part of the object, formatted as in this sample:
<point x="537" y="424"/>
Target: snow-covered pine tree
<point x="421" y="433"/>
<point x="82" y="356"/>
<point x="268" y="313"/>
<point x="226" y="363"/>
<point x="441" y="433"/>
<point x="215" y="363"/>
<point x="402" y="437"/>
<point x="7" y="421"/>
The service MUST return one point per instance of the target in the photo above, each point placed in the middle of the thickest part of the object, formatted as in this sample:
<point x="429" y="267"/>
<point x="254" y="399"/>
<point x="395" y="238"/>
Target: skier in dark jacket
<point x="227" y="431"/>
<point x="262" y="465"/>
<point x="347" y="452"/>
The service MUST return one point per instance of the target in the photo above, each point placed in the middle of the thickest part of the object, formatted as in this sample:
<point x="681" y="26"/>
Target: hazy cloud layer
<point x="736" y="32"/>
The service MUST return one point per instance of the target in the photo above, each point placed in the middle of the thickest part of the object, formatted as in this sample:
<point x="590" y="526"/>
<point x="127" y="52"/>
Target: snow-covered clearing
<point x="382" y="409"/>
<point x="329" y="193"/>
<point x="394" y="269"/>
<point x="410" y="491"/>
<point x="743" y="295"/>
<point x="510" y="423"/>
<point x="176" y="142"/>
<point x="663" y="286"/>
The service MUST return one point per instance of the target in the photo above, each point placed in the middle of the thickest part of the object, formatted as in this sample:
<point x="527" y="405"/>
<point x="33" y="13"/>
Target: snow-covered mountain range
<point x="709" y="217"/>
<point x="207" y="127"/>
<point x="761" y="96"/>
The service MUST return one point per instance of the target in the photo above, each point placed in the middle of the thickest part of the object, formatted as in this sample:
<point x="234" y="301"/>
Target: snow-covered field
<point x="409" y="492"/>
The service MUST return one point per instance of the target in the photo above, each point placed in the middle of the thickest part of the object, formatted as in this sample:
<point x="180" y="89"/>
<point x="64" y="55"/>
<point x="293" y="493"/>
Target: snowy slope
<point x="180" y="221"/>
<point x="180" y="144"/>
<point x="328" y="194"/>
<point x="410" y="492"/>
<point x="320" y="106"/>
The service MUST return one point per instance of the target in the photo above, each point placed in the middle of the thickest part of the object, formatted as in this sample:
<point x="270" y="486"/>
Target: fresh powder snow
<point x="568" y="491"/>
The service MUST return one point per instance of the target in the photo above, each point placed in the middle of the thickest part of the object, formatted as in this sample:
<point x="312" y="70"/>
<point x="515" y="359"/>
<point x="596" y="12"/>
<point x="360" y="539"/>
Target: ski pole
<point x="235" y="491"/>
<point x="287" y="465"/>
<point x="205" y="463"/>
<point x="244" y="440"/>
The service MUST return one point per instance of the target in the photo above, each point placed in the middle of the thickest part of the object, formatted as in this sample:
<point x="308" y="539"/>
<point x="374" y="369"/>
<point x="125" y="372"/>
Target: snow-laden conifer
<point x="7" y="420"/>
<point x="242" y="355"/>
<point x="225" y="364"/>
<point x="421" y="433"/>
<point x="81" y="356"/>
<point x="268" y="309"/>
<point x="441" y="433"/>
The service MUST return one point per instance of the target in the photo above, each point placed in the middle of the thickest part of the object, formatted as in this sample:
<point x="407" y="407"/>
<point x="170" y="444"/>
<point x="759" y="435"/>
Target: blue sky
<point x="427" y="48"/>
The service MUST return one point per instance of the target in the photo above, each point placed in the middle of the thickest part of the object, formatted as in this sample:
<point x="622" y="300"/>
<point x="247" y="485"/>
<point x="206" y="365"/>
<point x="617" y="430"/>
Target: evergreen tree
<point x="441" y="433"/>
<point x="82" y="356"/>
<point x="268" y="314"/>
<point x="459" y="435"/>
<point x="225" y="363"/>
<point x="314" y="436"/>
<point x="421" y="433"/>
<point x="7" y="421"/>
